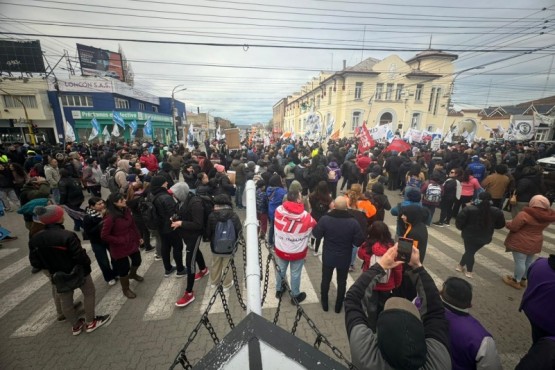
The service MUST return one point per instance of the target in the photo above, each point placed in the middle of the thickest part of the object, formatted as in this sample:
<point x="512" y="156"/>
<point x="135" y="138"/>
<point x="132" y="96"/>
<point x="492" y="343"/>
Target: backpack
<point x="433" y="194"/>
<point x="332" y="175"/>
<point x="224" y="238"/>
<point x="384" y="279"/>
<point x="148" y="212"/>
<point x="105" y="178"/>
<point x="414" y="182"/>
<point x="112" y="184"/>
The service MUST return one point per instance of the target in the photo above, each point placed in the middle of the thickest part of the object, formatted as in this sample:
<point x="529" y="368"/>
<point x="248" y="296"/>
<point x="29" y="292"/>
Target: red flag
<point x="366" y="140"/>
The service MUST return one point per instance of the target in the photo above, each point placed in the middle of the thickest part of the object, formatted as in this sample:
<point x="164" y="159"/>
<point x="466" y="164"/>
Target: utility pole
<point x="174" y="121"/>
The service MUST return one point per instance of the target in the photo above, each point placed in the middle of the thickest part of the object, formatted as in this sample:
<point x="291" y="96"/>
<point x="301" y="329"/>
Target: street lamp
<point x="27" y="121"/>
<point x="174" y="122"/>
<point x="451" y="88"/>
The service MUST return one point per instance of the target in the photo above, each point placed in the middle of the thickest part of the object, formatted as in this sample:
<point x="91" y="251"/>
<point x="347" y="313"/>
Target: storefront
<point x="162" y="127"/>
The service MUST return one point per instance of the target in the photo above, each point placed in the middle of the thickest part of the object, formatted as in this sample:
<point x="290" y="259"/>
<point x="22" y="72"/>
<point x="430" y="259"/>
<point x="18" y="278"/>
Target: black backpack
<point x="148" y="212"/>
<point x="225" y="238"/>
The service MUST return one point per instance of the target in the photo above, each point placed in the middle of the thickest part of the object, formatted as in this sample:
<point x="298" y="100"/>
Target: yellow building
<point x="405" y="94"/>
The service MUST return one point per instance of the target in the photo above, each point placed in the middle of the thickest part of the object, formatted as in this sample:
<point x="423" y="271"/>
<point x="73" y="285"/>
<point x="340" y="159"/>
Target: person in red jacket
<point x="149" y="160"/>
<point x="363" y="161"/>
<point x="378" y="242"/>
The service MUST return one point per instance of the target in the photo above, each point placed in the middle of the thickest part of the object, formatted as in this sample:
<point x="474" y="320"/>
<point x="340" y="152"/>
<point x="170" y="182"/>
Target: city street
<point x="148" y="332"/>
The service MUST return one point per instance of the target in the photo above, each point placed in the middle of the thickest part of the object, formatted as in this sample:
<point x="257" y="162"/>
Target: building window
<point x="418" y="93"/>
<point x="355" y="121"/>
<point x="432" y="97"/>
<point x="329" y="95"/>
<point x="386" y="118"/>
<point x="121" y="103"/>
<point x="358" y="90"/>
<point x="399" y="93"/>
<point x="415" y="121"/>
<point x="142" y="106"/>
<point x="389" y="92"/>
<point x="76" y="100"/>
<point x="12" y="101"/>
<point x="379" y="91"/>
<point x="155" y="109"/>
<point x="436" y="103"/>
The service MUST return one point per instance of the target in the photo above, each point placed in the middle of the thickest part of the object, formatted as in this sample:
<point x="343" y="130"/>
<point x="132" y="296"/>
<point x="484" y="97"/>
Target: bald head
<point x="340" y="203"/>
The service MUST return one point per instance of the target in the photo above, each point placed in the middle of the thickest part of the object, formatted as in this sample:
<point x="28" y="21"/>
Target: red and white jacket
<point x="293" y="227"/>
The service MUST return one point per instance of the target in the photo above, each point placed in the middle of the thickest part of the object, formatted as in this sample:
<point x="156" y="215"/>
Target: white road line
<point x="15" y="268"/>
<point x="19" y="294"/>
<point x="162" y="304"/>
<point x="6" y="252"/>
<point x="46" y="316"/>
<point x="437" y="279"/>
<point x="271" y="300"/>
<point x="547" y="247"/>
<point x="114" y="300"/>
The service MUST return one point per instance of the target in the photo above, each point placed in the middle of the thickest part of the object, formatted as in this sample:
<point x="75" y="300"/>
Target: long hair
<point x="134" y="188"/>
<point x="466" y="175"/>
<point x="322" y="193"/>
<point x="378" y="232"/>
<point x="111" y="207"/>
<point x="484" y="208"/>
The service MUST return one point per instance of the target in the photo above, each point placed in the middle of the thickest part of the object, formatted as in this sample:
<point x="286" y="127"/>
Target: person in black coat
<point x="379" y="200"/>
<point x="71" y="195"/>
<point x="477" y="223"/>
<point x="341" y="232"/>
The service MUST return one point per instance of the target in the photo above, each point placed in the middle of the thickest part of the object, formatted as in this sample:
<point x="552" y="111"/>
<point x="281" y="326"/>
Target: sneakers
<point x="167" y="273"/>
<point x="181" y="273"/>
<point x="202" y="273"/>
<point x="157" y="258"/>
<point x="78" y="328"/>
<point x="112" y="282"/>
<point x="186" y="299"/>
<point x="524" y="283"/>
<point x="446" y="225"/>
<point x="97" y="323"/>
<point x="459" y="268"/>
<point x="438" y="224"/>
<point x="510" y="281"/>
<point x="468" y="274"/>
<point x="301" y="297"/>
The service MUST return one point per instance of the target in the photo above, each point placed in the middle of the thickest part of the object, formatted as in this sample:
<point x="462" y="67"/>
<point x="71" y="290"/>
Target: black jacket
<point x="222" y="215"/>
<point x="191" y="214"/>
<point x="472" y="225"/>
<point x="415" y="225"/>
<point x="71" y="193"/>
<point x="224" y="186"/>
<point x="365" y="352"/>
<point x="57" y="249"/>
<point x="92" y="224"/>
<point x="165" y="208"/>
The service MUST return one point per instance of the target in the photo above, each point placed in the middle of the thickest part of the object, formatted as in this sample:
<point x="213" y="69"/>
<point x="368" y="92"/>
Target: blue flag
<point x="190" y="137"/>
<point x="95" y="124"/>
<point x="147" y="129"/>
<point x="133" y="125"/>
<point x="118" y="119"/>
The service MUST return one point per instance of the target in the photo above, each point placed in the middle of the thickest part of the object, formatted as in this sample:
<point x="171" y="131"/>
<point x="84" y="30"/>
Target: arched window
<point x="386" y="118"/>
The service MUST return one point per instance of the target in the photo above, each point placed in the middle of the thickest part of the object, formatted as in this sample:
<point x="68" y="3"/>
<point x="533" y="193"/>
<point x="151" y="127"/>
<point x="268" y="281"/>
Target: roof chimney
<point x="344" y="63"/>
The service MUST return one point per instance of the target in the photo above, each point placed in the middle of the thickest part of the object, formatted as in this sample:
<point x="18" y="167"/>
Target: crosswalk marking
<point x="6" y="252"/>
<point x="46" y="316"/>
<point x="21" y="293"/>
<point x="162" y="304"/>
<point x="15" y="268"/>
<point x="114" y="300"/>
<point x="547" y="247"/>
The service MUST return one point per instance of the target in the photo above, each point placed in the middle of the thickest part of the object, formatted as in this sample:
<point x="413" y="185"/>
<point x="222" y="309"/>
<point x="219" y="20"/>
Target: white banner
<point x="381" y="132"/>
<point x="520" y="129"/>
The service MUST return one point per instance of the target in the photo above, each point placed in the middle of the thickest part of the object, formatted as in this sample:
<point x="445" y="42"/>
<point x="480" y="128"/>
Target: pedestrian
<point x="469" y="187"/>
<point x="240" y="179"/>
<point x="406" y="337"/>
<point x="189" y="224"/>
<point x="341" y="233"/>
<point x="123" y="238"/>
<point x="52" y="175"/>
<point x="451" y="194"/>
<point x="334" y="174"/>
<point x="432" y="192"/>
<point x="59" y="251"/>
<point x="525" y="238"/>
<point x="92" y="227"/>
<point x="275" y="193"/>
<point x="472" y="346"/>
<point x="176" y="161"/>
<point x="136" y="194"/>
<point x="291" y="243"/>
<point x="7" y="192"/>
<point x="71" y="196"/>
<point x="261" y="209"/>
<point x="477" y="223"/>
<point x="538" y="306"/>
<point x="223" y="211"/>
<point x="320" y="203"/>
<point x="379" y="200"/>
<point x="91" y="177"/>
<point x="497" y="185"/>
<point x="374" y="247"/>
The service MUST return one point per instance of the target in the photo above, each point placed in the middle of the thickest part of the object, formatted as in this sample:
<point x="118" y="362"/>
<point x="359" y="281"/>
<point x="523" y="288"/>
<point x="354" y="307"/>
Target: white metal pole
<point x="251" y="242"/>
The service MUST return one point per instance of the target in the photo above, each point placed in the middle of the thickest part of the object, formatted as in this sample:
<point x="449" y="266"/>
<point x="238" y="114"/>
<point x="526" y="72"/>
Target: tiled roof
<point x="366" y="65"/>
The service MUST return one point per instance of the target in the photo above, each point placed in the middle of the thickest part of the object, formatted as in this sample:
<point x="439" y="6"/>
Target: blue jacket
<point x="275" y="198"/>
<point x="478" y="170"/>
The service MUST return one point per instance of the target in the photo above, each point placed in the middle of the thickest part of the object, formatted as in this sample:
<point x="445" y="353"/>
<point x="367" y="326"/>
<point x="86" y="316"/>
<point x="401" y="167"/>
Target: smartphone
<point x="404" y="249"/>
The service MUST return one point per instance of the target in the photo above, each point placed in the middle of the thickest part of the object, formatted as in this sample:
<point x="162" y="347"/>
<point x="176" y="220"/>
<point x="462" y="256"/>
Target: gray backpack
<point x="224" y="238"/>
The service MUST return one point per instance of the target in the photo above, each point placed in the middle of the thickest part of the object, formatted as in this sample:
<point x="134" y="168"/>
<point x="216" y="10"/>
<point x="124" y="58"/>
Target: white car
<point x="548" y="163"/>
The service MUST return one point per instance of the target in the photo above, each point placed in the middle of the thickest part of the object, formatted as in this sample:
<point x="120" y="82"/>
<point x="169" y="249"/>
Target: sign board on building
<point x="99" y="62"/>
<point x="21" y="56"/>
<point x="85" y="85"/>
<point x="127" y="116"/>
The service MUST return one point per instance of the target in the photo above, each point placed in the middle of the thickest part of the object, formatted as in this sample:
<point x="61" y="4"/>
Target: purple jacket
<point x="537" y="302"/>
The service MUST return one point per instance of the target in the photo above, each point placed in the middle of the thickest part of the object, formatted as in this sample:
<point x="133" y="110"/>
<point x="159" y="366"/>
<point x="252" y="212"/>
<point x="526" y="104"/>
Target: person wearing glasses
<point x="451" y="194"/>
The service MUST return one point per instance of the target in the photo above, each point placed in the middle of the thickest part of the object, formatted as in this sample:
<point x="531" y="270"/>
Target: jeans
<point x="271" y="231"/>
<point x="446" y="211"/>
<point x="467" y="258"/>
<point x="522" y="262"/>
<point x="262" y="223"/>
<point x="432" y="210"/>
<point x="296" y="269"/>
<point x="239" y="195"/>
<point x="101" y="254"/>
<point x="354" y="256"/>
<point x="6" y="193"/>
<point x="327" y="272"/>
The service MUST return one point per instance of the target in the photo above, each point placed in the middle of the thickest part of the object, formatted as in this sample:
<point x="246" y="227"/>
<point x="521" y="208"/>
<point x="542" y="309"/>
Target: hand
<point x="175" y="224"/>
<point x="388" y="259"/>
<point x="415" y="258"/>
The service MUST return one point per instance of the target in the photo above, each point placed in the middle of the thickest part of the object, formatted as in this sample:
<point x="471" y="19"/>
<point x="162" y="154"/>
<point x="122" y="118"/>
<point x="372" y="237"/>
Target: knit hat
<point x="539" y="201"/>
<point x="251" y="164"/>
<point x="157" y="181"/>
<point x="219" y="168"/>
<point x="49" y="214"/>
<point x="401" y="335"/>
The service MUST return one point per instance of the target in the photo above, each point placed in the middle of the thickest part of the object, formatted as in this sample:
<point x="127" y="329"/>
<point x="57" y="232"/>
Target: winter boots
<point x="124" y="280"/>
<point x="133" y="274"/>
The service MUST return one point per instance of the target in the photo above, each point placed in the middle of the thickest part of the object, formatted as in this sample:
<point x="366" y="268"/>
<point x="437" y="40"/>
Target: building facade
<point x="278" y="117"/>
<point x="403" y="94"/>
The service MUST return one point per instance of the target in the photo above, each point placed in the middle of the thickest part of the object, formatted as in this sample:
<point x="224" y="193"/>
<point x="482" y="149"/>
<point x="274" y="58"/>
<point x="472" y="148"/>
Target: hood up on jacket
<point x="123" y="164"/>
<point x="293" y="208"/>
<point x="180" y="191"/>
<point x="415" y="214"/>
<point x="542" y="215"/>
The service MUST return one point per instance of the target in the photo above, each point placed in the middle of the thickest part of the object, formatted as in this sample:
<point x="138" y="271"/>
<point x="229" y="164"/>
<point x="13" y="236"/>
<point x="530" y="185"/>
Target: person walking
<point x="525" y="238"/>
<point x="123" y="238"/>
<point x="341" y="232"/>
<point x="497" y="185"/>
<point x="477" y="223"/>
<point x="91" y="177"/>
<point x="71" y="196"/>
<point x="60" y="252"/>
<point x="52" y="175"/>
<point x="451" y="194"/>
<point x="320" y="203"/>
<point x="469" y="185"/>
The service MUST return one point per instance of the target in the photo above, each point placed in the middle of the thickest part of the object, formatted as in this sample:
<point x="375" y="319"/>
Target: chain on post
<point x="266" y="279"/>
<point x="184" y="361"/>
<point x="208" y="325"/>
<point x="318" y="341"/>
<point x="244" y="245"/>
<point x="226" y="307"/>
<point x="297" y="318"/>
<point x="260" y="258"/>
<point x="236" y="283"/>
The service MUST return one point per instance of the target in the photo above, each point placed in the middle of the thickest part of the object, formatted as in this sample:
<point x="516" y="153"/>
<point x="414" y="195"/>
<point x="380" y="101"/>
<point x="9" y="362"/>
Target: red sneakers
<point x="97" y="323"/>
<point x="186" y="299"/>
<point x="202" y="273"/>
<point x="78" y="328"/>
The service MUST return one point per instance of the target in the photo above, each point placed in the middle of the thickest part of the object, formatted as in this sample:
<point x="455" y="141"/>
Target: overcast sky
<point x="242" y="83"/>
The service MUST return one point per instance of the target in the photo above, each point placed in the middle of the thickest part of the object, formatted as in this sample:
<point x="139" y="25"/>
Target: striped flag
<point x="118" y="119"/>
<point x="106" y="134"/>
<point x="147" y="128"/>
<point x="134" y="126"/>
<point x="190" y="137"/>
<point x="95" y="129"/>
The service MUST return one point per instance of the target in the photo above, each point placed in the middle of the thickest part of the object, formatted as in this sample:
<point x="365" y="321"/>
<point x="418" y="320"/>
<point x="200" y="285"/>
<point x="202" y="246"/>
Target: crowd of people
<point x="162" y="199"/>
